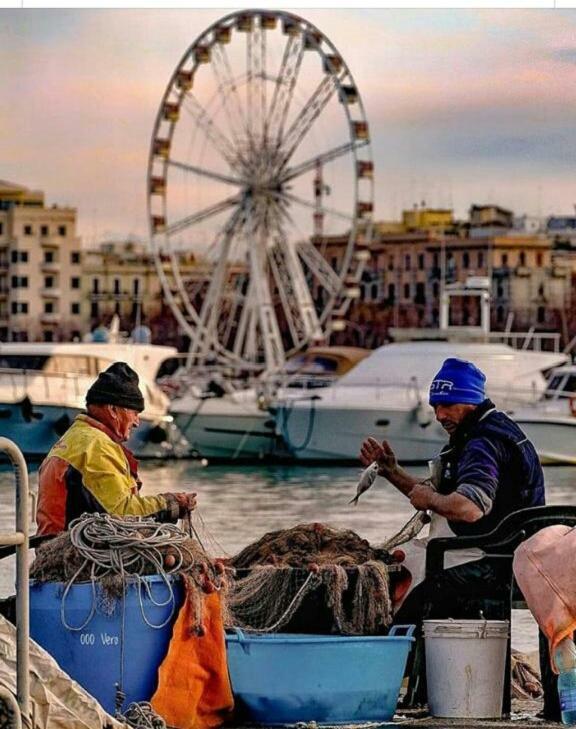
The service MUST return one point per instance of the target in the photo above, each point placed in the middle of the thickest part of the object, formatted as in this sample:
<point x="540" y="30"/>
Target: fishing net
<point x="311" y="578"/>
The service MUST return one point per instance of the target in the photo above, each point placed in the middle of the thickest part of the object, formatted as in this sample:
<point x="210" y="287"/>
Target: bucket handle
<point x="395" y="630"/>
<point x="244" y="644"/>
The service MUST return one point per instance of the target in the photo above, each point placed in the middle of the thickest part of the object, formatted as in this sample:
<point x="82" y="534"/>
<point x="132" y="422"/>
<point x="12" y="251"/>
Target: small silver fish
<point x="367" y="478"/>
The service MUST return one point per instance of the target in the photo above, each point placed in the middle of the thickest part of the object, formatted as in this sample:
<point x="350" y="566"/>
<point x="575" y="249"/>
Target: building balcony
<point x="51" y="241"/>
<point x="523" y="271"/>
<point x="51" y="293"/>
<point x="52" y="318"/>
<point x="51" y="267"/>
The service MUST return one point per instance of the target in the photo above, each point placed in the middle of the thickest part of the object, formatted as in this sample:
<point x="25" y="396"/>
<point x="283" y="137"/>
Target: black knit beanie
<point x="118" y="385"/>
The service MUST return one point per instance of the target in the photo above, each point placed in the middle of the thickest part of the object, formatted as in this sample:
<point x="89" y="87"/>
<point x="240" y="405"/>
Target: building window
<point x="541" y="314"/>
<point x="421" y="262"/>
<point x="116" y="286"/>
<point x="75" y="282"/>
<point x="391" y="293"/>
<point x="94" y="310"/>
<point x="504" y="259"/>
<point x="19" y="282"/>
<point x="420" y="297"/>
<point x="539" y="259"/>
<point x="334" y="263"/>
<point x="19" y="336"/>
<point x="435" y="289"/>
<point x="136" y="286"/>
<point x="500" y="291"/>
<point x="95" y="285"/>
<point x="522" y="258"/>
<point x="75" y="307"/>
<point x="480" y="259"/>
<point x="407" y="262"/>
<point x="19" y="307"/>
<point x="44" y="230"/>
<point x="48" y="307"/>
<point x="48" y="282"/>
<point x="75" y="257"/>
<point x="62" y="230"/>
<point x="19" y="256"/>
<point x="28" y="230"/>
<point x="391" y="263"/>
<point x="1" y="228"/>
<point x="48" y="336"/>
<point x="406" y="290"/>
<point x="466" y="259"/>
<point x="436" y="260"/>
<point x="48" y="256"/>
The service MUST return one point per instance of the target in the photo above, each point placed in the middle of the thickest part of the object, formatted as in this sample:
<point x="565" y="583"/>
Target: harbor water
<point x="238" y="504"/>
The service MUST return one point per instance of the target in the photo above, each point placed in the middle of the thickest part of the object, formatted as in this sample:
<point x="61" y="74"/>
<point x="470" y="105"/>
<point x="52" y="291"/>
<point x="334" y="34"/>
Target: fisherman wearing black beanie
<point x="118" y="385"/>
<point x="90" y="470"/>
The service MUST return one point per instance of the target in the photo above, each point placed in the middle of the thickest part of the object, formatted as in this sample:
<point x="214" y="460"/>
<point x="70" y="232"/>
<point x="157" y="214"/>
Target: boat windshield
<point x="59" y="364"/>
<point x="561" y="385"/>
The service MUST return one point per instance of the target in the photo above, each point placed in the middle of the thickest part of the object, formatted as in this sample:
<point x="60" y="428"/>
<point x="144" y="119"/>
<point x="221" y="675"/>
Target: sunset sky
<point x="464" y="106"/>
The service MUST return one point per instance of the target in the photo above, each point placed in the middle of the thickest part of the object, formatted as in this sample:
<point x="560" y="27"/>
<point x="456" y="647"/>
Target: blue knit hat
<point x="458" y="381"/>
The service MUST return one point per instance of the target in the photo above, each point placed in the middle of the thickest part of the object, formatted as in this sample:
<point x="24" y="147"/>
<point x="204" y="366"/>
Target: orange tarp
<point x="545" y="570"/>
<point x="193" y="685"/>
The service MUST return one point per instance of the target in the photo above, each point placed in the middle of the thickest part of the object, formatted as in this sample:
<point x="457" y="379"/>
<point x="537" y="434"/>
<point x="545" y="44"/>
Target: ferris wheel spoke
<point x="218" y="139"/>
<point x="294" y="293"/>
<point x="268" y="324"/>
<point x="223" y="71"/>
<point x="202" y="215"/>
<point x="244" y="321"/>
<point x="309" y="112"/>
<point x="285" y="84"/>
<point x="212" y="305"/>
<point x="203" y="172"/>
<point x="312" y="163"/>
<point x="318" y="208"/>
<point x="322" y="270"/>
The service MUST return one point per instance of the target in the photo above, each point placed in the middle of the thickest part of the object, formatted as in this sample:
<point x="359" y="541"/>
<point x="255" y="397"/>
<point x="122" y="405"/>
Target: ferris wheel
<point x="260" y="165"/>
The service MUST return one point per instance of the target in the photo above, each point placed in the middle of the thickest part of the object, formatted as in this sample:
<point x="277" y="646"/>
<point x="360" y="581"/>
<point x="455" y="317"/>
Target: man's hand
<point x="186" y="503"/>
<point x="421" y="497"/>
<point x="382" y="453"/>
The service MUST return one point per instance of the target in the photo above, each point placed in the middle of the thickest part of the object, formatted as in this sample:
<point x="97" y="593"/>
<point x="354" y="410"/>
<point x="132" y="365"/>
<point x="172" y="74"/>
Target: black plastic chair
<point x="499" y="545"/>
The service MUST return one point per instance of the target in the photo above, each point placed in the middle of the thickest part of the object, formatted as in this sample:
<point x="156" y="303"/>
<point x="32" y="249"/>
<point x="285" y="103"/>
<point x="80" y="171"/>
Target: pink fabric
<point x="545" y="570"/>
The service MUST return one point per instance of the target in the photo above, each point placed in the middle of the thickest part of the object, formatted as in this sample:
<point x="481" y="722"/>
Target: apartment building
<point x="40" y="268"/>
<point x="121" y="277"/>
<point x="401" y="285"/>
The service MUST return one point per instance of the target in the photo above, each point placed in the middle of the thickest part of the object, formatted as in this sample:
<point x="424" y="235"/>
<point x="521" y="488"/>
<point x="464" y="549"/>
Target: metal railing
<point x="20" y="538"/>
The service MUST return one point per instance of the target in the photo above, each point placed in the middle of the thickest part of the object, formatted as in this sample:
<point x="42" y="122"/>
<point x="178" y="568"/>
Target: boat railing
<point x="534" y="341"/>
<point x="20" y="539"/>
<point x="20" y="381"/>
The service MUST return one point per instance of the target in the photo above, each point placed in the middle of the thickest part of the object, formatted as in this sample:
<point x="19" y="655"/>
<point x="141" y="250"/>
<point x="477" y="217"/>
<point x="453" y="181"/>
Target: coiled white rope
<point x="127" y="548"/>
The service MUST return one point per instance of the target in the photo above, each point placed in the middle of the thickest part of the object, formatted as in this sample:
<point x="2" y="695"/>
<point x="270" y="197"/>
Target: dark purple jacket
<point x="491" y="461"/>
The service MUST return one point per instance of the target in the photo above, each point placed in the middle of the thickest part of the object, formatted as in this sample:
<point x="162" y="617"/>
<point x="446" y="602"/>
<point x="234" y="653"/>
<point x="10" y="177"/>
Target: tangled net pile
<point x="285" y="568"/>
<point x="109" y="550"/>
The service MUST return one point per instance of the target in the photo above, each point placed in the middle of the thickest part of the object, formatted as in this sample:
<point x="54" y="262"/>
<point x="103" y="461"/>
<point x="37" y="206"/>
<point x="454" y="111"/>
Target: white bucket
<point x="465" y="666"/>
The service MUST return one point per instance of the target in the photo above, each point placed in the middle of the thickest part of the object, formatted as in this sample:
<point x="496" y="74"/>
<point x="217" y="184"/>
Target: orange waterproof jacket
<point x="88" y="471"/>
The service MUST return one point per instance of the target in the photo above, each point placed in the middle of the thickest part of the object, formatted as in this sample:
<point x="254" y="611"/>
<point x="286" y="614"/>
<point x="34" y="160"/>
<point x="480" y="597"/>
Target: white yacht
<point x="43" y="387"/>
<point x="386" y="396"/>
<point x="550" y="423"/>
<point x="228" y="423"/>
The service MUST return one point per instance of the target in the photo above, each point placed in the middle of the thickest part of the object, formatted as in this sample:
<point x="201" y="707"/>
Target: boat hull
<point x="335" y="434"/>
<point x="36" y="428"/>
<point x="229" y="436"/>
<point x="553" y="438"/>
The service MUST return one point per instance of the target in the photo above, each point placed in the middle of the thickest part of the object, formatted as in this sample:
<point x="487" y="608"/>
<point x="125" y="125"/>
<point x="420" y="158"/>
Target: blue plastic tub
<point x="283" y="679"/>
<point x="93" y="656"/>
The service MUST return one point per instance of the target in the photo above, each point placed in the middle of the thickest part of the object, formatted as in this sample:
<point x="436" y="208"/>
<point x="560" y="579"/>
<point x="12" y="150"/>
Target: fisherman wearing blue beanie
<point x="458" y="381"/>
<point x="487" y="470"/>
